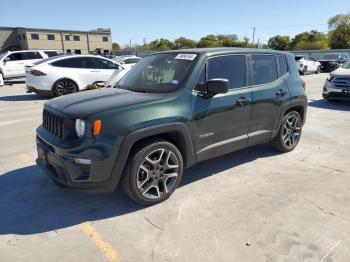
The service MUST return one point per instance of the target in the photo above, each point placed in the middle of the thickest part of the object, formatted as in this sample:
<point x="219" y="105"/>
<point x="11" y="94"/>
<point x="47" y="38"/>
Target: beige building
<point x="67" y="41"/>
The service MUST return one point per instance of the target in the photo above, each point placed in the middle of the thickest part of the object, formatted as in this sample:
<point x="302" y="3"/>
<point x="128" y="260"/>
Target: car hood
<point x="85" y="103"/>
<point x="341" y="72"/>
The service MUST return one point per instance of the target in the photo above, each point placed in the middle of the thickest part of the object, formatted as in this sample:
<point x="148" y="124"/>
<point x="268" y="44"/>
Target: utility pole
<point x="144" y="39"/>
<point x="130" y="42"/>
<point x="254" y="28"/>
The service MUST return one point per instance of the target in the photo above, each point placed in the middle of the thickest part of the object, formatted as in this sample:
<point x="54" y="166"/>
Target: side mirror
<point x="217" y="86"/>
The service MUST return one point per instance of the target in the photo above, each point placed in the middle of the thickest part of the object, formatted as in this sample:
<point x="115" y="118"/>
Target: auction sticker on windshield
<point x="190" y="57"/>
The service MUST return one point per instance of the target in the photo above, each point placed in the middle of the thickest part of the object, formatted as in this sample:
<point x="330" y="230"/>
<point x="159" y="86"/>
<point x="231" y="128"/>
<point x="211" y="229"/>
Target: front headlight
<point x="80" y="127"/>
<point x="330" y="78"/>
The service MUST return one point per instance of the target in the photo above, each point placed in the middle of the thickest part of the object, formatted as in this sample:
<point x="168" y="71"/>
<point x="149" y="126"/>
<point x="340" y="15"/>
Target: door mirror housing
<point x="217" y="86"/>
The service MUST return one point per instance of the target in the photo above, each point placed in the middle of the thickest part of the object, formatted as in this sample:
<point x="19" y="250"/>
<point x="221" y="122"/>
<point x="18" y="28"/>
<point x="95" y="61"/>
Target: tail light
<point x="37" y="73"/>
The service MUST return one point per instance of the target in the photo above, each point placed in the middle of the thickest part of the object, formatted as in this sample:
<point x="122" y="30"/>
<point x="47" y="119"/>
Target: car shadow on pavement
<point x="28" y="97"/>
<point x="30" y="203"/>
<point x="332" y="105"/>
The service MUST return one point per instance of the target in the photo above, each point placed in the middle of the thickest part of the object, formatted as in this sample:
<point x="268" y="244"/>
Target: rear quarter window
<point x="264" y="69"/>
<point x="283" y="66"/>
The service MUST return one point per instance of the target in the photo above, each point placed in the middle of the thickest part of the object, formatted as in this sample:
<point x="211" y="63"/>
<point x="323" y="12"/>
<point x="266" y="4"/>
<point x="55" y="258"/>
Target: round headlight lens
<point x="80" y="127"/>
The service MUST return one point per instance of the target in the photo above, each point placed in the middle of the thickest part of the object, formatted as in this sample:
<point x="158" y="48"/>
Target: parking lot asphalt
<point x="251" y="205"/>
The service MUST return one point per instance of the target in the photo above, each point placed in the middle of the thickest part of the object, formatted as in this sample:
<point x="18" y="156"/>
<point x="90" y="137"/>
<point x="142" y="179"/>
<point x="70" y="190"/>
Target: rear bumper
<point x="31" y="89"/>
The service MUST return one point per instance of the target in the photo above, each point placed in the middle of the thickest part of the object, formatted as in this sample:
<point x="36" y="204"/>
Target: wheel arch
<point x="64" y="78"/>
<point x="176" y="133"/>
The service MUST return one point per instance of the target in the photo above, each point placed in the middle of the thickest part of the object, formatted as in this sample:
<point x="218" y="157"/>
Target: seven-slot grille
<point x="53" y="123"/>
<point x="342" y="82"/>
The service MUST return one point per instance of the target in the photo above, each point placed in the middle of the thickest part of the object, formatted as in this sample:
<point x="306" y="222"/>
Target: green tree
<point x="279" y="42"/>
<point x="183" y="42"/>
<point x="208" y="41"/>
<point x="309" y="41"/>
<point x="161" y="44"/>
<point x="116" y="46"/>
<point x="339" y="37"/>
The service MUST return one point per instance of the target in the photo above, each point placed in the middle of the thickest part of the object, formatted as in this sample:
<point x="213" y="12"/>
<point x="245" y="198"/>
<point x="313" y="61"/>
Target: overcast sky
<point x="136" y="19"/>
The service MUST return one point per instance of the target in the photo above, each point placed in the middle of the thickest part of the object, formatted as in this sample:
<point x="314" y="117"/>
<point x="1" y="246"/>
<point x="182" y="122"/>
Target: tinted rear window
<point x="283" y="66"/>
<point x="230" y="67"/>
<point x="264" y="69"/>
<point x="76" y="62"/>
<point x="51" y="53"/>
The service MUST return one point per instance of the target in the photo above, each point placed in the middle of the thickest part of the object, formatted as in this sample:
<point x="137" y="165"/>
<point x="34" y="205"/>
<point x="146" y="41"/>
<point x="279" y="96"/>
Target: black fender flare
<point x="131" y="139"/>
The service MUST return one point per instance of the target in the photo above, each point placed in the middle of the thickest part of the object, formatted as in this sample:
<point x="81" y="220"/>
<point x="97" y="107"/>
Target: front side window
<point x="32" y="55"/>
<point x="104" y="64"/>
<point x="231" y="67"/>
<point x="264" y="69"/>
<point x="35" y="36"/>
<point x="14" y="57"/>
<point x="50" y="37"/>
<point x="283" y="66"/>
<point x="159" y="73"/>
<point x="76" y="38"/>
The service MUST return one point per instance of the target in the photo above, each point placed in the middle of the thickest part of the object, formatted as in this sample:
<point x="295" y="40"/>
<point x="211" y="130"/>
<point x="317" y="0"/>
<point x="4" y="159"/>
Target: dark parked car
<point x="172" y="110"/>
<point x="331" y="62"/>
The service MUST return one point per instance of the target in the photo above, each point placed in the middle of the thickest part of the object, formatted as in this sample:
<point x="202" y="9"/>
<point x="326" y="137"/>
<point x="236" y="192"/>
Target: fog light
<point x="82" y="161"/>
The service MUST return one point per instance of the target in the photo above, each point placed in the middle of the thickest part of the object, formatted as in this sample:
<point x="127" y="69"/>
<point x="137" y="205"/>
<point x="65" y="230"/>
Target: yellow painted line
<point x="110" y="253"/>
<point x="26" y="159"/>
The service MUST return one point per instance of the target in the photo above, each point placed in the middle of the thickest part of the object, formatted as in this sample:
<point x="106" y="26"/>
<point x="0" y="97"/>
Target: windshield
<point x="160" y="73"/>
<point x="2" y="55"/>
<point x="347" y="65"/>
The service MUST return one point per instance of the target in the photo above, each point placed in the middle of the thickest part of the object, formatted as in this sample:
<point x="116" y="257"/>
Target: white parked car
<point x="128" y="60"/>
<point x="307" y="65"/>
<point x="12" y="64"/>
<point x="63" y="75"/>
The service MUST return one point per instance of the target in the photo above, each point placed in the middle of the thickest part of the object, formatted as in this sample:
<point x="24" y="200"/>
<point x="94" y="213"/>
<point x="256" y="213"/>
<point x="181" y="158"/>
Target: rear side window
<point x="32" y="55"/>
<point x="14" y="57"/>
<point x="76" y="62"/>
<point x="283" y="66"/>
<point x="264" y="69"/>
<point x="80" y="62"/>
<point x="231" y="67"/>
<point x="51" y="53"/>
<point x="104" y="64"/>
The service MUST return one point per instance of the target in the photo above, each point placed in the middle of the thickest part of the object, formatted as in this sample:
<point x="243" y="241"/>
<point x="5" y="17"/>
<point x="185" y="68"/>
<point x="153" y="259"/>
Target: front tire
<point x="304" y="72"/>
<point x="153" y="172"/>
<point x="289" y="134"/>
<point x="318" y="70"/>
<point x="64" y="87"/>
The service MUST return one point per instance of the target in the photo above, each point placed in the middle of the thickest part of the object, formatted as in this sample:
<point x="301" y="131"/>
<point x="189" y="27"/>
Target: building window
<point x="105" y="39"/>
<point x="76" y="38"/>
<point x="77" y="51"/>
<point x="24" y="36"/>
<point x="69" y="51"/>
<point x="35" y="36"/>
<point x="50" y="37"/>
<point x="67" y="37"/>
<point x="19" y="37"/>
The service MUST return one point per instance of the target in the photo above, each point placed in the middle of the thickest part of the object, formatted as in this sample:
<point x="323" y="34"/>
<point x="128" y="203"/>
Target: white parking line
<point x="4" y="123"/>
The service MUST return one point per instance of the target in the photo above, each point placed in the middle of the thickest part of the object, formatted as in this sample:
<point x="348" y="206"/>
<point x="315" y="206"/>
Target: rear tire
<point x="153" y="172"/>
<point x="318" y="70"/>
<point x="304" y="72"/>
<point x="64" y="87"/>
<point x="289" y="134"/>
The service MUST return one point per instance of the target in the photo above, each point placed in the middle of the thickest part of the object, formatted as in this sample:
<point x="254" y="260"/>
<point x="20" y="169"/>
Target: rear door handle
<point x="94" y="71"/>
<point x="281" y="92"/>
<point x="242" y="101"/>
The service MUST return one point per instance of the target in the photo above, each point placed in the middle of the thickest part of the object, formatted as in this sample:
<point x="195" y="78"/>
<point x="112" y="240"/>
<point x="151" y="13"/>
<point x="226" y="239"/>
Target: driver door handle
<point x="242" y="101"/>
<point x="281" y="92"/>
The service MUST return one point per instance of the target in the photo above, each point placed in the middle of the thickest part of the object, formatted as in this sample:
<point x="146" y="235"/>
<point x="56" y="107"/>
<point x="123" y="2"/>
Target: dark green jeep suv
<point x="172" y="110"/>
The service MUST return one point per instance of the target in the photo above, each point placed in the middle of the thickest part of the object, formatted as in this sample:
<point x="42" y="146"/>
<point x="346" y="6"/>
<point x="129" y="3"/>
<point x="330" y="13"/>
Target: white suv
<point x="12" y="64"/>
<point x="307" y="65"/>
